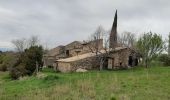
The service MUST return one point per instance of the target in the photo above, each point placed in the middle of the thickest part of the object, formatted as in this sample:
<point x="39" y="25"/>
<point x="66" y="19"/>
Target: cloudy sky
<point x="58" y="22"/>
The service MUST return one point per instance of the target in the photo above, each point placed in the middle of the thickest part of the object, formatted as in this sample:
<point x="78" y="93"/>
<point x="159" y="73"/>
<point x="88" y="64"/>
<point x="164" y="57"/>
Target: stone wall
<point x="121" y="60"/>
<point x="64" y="67"/>
<point x="88" y="63"/>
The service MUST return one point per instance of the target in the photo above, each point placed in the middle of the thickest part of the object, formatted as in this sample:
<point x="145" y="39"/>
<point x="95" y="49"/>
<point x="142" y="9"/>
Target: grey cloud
<point x="62" y="21"/>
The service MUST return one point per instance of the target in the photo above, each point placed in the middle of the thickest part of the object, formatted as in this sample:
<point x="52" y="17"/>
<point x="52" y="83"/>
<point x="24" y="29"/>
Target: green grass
<point x="133" y="84"/>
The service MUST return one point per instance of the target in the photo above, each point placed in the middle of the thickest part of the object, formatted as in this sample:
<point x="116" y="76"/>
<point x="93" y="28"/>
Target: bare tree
<point x="96" y="45"/>
<point x="33" y="40"/>
<point x="127" y="39"/>
<point x="95" y="38"/>
<point x="20" y="44"/>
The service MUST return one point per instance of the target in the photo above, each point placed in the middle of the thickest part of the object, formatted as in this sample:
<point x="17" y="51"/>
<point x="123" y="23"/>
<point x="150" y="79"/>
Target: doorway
<point x="67" y="53"/>
<point x="130" y="61"/>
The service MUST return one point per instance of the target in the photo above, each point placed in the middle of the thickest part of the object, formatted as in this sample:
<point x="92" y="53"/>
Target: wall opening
<point x="67" y="53"/>
<point x="130" y="61"/>
<point x="136" y="62"/>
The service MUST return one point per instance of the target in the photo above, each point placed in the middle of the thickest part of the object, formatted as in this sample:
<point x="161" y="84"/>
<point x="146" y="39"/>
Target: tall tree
<point x="149" y="45"/>
<point x="127" y="39"/>
<point x="96" y="44"/>
<point x="33" y="41"/>
<point x="20" y="45"/>
<point x="169" y="45"/>
<point x="33" y="59"/>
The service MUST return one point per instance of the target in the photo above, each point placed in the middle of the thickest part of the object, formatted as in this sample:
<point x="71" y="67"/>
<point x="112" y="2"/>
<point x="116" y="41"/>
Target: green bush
<point x="7" y="60"/>
<point x="51" y="78"/>
<point x="17" y="72"/>
<point x="165" y="58"/>
<point x="33" y="58"/>
<point x="27" y="62"/>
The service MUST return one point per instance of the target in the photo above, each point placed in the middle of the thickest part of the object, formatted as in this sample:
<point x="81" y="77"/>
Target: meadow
<point x="133" y="84"/>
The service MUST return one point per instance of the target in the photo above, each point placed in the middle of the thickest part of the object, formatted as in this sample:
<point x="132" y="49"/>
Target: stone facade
<point x="117" y="59"/>
<point x="78" y="55"/>
<point x="70" y="50"/>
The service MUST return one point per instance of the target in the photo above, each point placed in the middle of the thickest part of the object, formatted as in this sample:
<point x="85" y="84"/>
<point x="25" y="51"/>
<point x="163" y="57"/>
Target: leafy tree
<point x="29" y="61"/>
<point x="7" y="59"/>
<point x="33" y="57"/>
<point x="29" y="57"/>
<point x="149" y="45"/>
<point x="169" y="45"/>
<point x="165" y="58"/>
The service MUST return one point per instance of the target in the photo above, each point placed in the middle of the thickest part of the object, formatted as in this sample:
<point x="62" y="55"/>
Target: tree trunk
<point x="146" y="63"/>
<point x="101" y="64"/>
<point x="36" y="68"/>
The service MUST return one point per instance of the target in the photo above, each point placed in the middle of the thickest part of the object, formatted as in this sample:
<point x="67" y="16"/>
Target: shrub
<point x="49" y="66"/>
<point x="50" y="77"/>
<point x="14" y="73"/>
<point x="112" y="98"/>
<point x="165" y="59"/>
<point x="33" y="58"/>
<point x="17" y="72"/>
<point x="27" y="62"/>
<point x="3" y="67"/>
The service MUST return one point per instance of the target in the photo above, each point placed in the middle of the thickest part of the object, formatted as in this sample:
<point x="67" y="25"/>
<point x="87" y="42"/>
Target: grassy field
<point x="133" y="84"/>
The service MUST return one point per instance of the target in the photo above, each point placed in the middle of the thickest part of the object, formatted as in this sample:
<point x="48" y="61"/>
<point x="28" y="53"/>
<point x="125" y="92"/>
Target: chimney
<point x="113" y="34"/>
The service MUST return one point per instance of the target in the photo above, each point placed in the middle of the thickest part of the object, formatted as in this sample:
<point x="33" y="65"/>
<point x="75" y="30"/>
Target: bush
<point x="33" y="58"/>
<point x="3" y="67"/>
<point x="17" y="72"/>
<point x="27" y="62"/>
<point x="14" y="73"/>
<point x="49" y="66"/>
<point x="51" y="78"/>
<point x="165" y="59"/>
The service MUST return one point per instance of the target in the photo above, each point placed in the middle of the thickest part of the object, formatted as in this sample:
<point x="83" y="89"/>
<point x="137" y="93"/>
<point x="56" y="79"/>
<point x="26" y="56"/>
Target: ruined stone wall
<point x="64" y="67"/>
<point x="76" y="46"/>
<point x="120" y="58"/>
<point x="88" y="63"/>
<point x="73" y="47"/>
<point x="48" y="61"/>
<point x="91" y="46"/>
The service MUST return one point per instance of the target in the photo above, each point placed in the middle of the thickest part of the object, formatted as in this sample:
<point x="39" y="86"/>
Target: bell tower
<point x="113" y="34"/>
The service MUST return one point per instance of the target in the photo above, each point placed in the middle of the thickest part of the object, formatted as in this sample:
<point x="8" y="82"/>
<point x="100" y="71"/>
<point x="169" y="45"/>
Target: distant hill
<point x="6" y="49"/>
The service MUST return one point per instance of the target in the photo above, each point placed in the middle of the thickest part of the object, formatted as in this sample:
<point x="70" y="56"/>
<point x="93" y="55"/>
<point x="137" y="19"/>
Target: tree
<point x="149" y="45"/>
<point x="96" y="41"/>
<point x="20" y="45"/>
<point x="127" y="39"/>
<point x="29" y="59"/>
<point x="165" y="59"/>
<point x="33" y="58"/>
<point x="33" y="41"/>
<point x="169" y="45"/>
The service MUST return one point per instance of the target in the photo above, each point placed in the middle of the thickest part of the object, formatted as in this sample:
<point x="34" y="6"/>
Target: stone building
<point x="116" y="57"/>
<point x="70" y="50"/>
<point x="119" y="58"/>
<point x="78" y="55"/>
